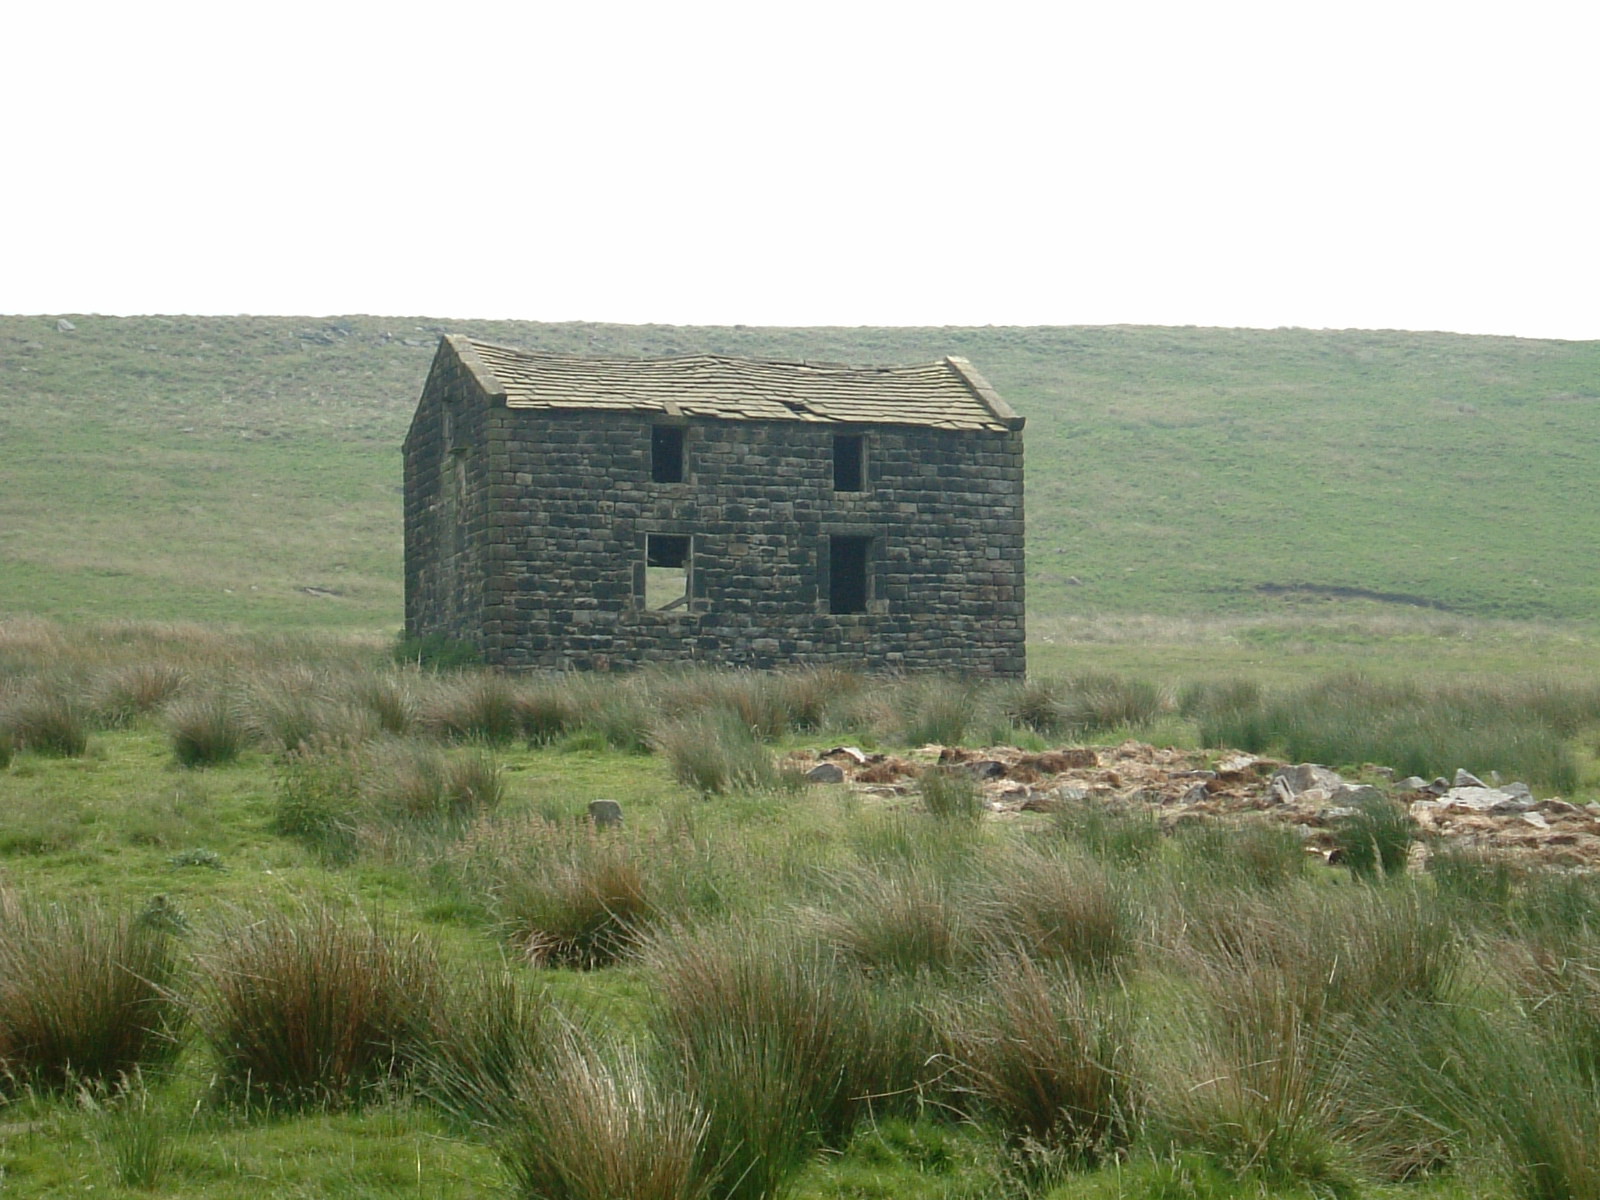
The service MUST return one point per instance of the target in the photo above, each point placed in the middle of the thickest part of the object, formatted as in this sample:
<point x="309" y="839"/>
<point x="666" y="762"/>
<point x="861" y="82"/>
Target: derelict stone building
<point x="605" y="512"/>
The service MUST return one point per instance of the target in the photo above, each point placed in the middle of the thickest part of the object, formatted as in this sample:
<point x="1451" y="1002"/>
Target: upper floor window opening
<point x="849" y="462"/>
<point x="667" y="453"/>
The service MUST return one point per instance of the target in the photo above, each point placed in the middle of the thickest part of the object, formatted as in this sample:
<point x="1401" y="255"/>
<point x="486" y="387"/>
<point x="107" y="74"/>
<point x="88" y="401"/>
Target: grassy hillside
<point x="247" y="469"/>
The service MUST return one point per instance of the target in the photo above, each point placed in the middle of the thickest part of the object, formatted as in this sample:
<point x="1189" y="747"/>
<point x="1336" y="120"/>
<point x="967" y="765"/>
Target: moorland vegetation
<point x="279" y="911"/>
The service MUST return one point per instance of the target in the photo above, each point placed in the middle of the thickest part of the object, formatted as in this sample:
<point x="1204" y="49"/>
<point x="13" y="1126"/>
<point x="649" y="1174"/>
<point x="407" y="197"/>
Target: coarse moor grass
<point x="383" y="952"/>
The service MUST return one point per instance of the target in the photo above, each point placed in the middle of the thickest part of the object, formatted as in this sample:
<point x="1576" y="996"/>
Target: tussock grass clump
<point x="566" y="896"/>
<point x="714" y="752"/>
<point x="207" y="730"/>
<point x="546" y="711"/>
<point x="1098" y="703"/>
<point x="783" y="1047"/>
<point x="950" y="793"/>
<point x="1376" y="838"/>
<point x="315" y="1006"/>
<point x="298" y="710"/>
<point x="488" y="1030"/>
<point x="123" y="695"/>
<point x="135" y="1134"/>
<point x="1251" y="1081"/>
<point x="751" y="699"/>
<point x="1059" y="910"/>
<point x="936" y="710"/>
<point x="1036" y="704"/>
<point x="479" y="706"/>
<point x="905" y="919"/>
<point x="1037" y="1051"/>
<point x="85" y="996"/>
<point x="811" y="698"/>
<point x="786" y="1003"/>
<point x="1351" y="952"/>
<point x="1481" y="882"/>
<point x="317" y="801"/>
<point x="388" y="697"/>
<point x="1126" y="835"/>
<point x="595" y="1122"/>
<point x="417" y="783"/>
<point x="1212" y="698"/>
<point x="47" y="718"/>
<point x="1247" y="854"/>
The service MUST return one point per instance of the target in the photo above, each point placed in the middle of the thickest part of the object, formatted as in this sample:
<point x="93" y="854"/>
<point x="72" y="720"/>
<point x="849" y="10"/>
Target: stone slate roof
<point x="946" y="395"/>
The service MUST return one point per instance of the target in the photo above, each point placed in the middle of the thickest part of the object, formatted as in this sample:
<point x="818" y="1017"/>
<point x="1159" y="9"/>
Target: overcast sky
<point x="1377" y="165"/>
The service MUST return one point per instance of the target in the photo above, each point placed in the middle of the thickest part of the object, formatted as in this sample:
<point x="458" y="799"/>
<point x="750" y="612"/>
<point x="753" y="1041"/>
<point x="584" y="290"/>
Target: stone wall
<point x="448" y="470"/>
<point x="571" y="502"/>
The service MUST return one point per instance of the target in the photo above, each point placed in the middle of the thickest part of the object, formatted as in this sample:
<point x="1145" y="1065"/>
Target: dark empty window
<point x="849" y="462"/>
<point x="666" y="453"/>
<point x="847" y="574"/>
<point x="666" y="570"/>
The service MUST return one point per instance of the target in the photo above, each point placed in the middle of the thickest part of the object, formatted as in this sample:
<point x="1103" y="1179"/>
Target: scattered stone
<point x="987" y="768"/>
<point x="606" y="814"/>
<point x="825" y="772"/>
<point x="65" y="326"/>
<point x="1305" y="776"/>
<point x="883" y="768"/>
<point x="1355" y="794"/>
<point x="1412" y="783"/>
<point x="1466" y="779"/>
<point x="1479" y="798"/>
<point x="1053" y="762"/>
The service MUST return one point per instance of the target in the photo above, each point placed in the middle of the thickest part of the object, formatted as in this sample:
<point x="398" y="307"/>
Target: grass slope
<point x="247" y="469"/>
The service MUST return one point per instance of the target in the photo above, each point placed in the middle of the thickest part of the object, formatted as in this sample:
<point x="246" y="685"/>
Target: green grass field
<point x="218" y="468"/>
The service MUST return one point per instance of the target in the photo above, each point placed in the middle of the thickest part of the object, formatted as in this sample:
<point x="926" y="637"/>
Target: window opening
<point x="666" y="571"/>
<point x="847" y="574"/>
<point x="849" y="462"/>
<point x="666" y="453"/>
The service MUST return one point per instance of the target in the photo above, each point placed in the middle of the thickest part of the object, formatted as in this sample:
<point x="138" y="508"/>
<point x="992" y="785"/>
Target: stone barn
<point x="601" y="513"/>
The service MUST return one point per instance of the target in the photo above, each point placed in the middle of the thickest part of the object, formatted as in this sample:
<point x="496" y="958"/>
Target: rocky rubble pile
<point x="1181" y="786"/>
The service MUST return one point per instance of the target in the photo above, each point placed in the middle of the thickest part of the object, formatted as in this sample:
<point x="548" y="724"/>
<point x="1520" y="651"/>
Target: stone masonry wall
<point x="447" y="496"/>
<point x="570" y="501"/>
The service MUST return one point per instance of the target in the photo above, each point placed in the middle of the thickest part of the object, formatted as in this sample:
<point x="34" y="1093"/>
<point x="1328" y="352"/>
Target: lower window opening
<point x="847" y="574"/>
<point x="666" y="571"/>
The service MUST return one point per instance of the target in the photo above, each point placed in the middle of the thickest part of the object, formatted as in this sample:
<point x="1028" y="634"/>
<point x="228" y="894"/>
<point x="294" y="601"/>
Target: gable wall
<point x="449" y="481"/>
<point x="574" y="499"/>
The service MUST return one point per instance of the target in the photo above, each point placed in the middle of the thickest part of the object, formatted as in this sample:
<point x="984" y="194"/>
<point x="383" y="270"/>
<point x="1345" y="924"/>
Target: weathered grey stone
<point x="1466" y="779"/>
<point x="987" y="768"/>
<point x="605" y="814"/>
<point x="1412" y="783"/>
<point x="826" y="772"/>
<point x="65" y="326"/>
<point x="1305" y="776"/>
<point x="1486" y="799"/>
<point x="1355" y="794"/>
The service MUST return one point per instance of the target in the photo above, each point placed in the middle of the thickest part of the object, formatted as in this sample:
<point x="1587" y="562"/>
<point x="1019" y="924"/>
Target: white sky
<point x="1296" y="162"/>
